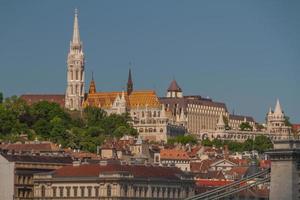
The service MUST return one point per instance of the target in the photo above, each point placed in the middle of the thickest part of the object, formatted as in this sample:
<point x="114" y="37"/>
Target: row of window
<point x="76" y="75"/>
<point x="76" y="89"/>
<point x="137" y="191"/>
<point x="150" y="130"/>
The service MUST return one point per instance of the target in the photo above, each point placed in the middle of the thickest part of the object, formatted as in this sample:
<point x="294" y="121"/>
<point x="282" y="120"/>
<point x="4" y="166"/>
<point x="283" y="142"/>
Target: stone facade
<point x="197" y="114"/>
<point x="148" y="116"/>
<point x="285" y="159"/>
<point x="113" y="181"/>
<point x="16" y="172"/>
<point x="75" y="71"/>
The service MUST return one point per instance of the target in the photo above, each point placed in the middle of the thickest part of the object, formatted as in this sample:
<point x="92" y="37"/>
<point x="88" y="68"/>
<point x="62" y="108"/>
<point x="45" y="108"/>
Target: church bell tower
<point x="75" y="71"/>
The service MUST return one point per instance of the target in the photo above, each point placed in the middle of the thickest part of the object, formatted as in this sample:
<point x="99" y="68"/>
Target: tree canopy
<point x="260" y="143"/>
<point x="48" y="121"/>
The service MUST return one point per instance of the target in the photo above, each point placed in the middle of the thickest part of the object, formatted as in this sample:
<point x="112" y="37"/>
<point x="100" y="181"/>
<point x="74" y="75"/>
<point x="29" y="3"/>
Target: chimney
<point x="226" y="152"/>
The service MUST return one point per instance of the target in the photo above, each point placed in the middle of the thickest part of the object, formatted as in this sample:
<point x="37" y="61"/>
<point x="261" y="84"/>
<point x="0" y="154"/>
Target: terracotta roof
<point x="202" y="166"/>
<point x="174" y="87"/>
<point x="136" y="99"/>
<point x="38" y="159"/>
<point x="139" y="171"/>
<point x="212" y="183"/>
<point x="40" y="147"/>
<point x="240" y="162"/>
<point x="265" y="164"/>
<point x="194" y="151"/>
<point x="81" y="154"/>
<point x="174" y="154"/>
<point x="210" y="175"/>
<point x="237" y="172"/>
<point x="296" y="127"/>
<point x="35" y="98"/>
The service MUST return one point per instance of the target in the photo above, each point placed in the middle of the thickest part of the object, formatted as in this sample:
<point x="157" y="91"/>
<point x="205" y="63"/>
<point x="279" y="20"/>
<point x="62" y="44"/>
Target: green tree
<point x="248" y="145"/>
<point x="58" y="131"/>
<point x="245" y="126"/>
<point x="226" y="122"/>
<point x="207" y="142"/>
<point x="1" y="97"/>
<point x="42" y="127"/>
<point x="94" y="116"/>
<point x="262" y="143"/>
<point x="287" y="121"/>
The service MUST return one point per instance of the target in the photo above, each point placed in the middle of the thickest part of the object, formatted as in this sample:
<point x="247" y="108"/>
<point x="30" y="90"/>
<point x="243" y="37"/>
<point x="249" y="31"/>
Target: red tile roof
<point x="174" y="154"/>
<point x="265" y="164"/>
<point x="40" y="147"/>
<point x="202" y="166"/>
<point x="212" y="183"/>
<point x="139" y="171"/>
<point x="35" y="98"/>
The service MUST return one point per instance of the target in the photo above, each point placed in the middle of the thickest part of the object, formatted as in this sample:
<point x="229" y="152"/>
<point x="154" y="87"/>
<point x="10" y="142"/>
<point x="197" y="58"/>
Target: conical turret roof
<point x="278" y="110"/>
<point x="174" y="87"/>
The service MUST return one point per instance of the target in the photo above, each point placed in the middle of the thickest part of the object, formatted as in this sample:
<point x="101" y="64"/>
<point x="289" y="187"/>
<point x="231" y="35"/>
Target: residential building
<point x="16" y="172"/>
<point x="113" y="181"/>
<point x="173" y="157"/>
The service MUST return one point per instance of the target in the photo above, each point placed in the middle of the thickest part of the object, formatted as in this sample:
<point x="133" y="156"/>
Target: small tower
<point x="276" y="121"/>
<point x="174" y="90"/>
<point x="75" y="71"/>
<point x="129" y="83"/>
<point x="221" y="124"/>
<point x="92" y="89"/>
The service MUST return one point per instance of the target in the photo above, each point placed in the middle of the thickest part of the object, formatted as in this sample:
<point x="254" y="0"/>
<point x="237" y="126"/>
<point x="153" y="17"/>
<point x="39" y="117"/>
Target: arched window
<point x="109" y="191"/>
<point x="125" y="190"/>
<point x="72" y="75"/>
<point x="71" y="103"/>
<point x="76" y="74"/>
<point x="43" y="191"/>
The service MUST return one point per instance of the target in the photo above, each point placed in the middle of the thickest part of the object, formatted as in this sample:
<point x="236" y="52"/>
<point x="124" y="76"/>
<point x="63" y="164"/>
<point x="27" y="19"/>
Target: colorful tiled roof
<point x="142" y="98"/>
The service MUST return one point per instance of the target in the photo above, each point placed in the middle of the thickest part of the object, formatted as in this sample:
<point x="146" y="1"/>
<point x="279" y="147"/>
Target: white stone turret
<point x="276" y="121"/>
<point x="75" y="71"/>
<point x="221" y="123"/>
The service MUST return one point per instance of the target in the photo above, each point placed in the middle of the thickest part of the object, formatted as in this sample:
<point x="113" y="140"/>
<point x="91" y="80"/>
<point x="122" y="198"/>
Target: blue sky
<point x="243" y="53"/>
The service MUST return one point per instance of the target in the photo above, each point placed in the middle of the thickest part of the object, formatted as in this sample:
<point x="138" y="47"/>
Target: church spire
<point x="75" y="71"/>
<point x="278" y="110"/>
<point x="92" y="89"/>
<point x="76" y="36"/>
<point x="129" y="83"/>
